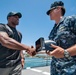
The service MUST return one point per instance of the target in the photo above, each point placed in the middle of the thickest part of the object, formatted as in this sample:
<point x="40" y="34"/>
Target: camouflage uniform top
<point x="65" y="36"/>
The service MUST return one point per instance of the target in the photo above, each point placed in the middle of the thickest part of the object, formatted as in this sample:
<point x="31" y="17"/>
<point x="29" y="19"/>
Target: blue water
<point x="36" y="62"/>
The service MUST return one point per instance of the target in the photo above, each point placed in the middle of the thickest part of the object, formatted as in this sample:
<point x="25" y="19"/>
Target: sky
<point x="34" y="22"/>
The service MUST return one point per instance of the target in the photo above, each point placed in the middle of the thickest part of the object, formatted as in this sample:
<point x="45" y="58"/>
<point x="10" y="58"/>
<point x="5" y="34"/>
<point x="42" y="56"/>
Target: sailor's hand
<point x="34" y="51"/>
<point x="31" y="51"/>
<point x="58" y="52"/>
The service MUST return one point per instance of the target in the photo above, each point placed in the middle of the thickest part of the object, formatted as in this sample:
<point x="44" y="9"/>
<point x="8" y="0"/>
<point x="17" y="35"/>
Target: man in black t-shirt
<point x="11" y="47"/>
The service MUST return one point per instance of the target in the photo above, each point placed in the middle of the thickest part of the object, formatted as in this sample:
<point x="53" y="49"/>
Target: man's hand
<point x="31" y="51"/>
<point x="34" y="51"/>
<point x="22" y="62"/>
<point x="58" y="52"/>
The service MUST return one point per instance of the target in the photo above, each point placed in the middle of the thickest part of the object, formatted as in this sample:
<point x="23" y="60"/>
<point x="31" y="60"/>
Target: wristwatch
<point x="66" y="54"/>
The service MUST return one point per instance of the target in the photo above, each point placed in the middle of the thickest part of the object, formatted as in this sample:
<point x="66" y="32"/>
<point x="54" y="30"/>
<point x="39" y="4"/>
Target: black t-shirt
<point x="9" y="57"/>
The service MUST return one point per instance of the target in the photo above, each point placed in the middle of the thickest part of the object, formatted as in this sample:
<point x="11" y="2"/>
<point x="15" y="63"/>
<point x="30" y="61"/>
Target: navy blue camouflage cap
<point x="56" y="4"/>
<point x="13" y="14"/>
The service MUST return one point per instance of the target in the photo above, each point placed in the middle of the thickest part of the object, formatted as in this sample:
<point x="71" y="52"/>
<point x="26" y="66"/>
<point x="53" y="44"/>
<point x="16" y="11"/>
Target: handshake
<point x="42" y="44"/>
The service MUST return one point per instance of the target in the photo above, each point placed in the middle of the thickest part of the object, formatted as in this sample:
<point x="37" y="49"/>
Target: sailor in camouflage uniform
<point x="64" y="33"/>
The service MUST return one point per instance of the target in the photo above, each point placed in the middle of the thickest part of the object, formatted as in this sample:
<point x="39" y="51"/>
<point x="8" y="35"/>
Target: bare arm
<point x="22" y="55"/>
<point x="8" y="42"/>
<point x="22" y="59"/>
